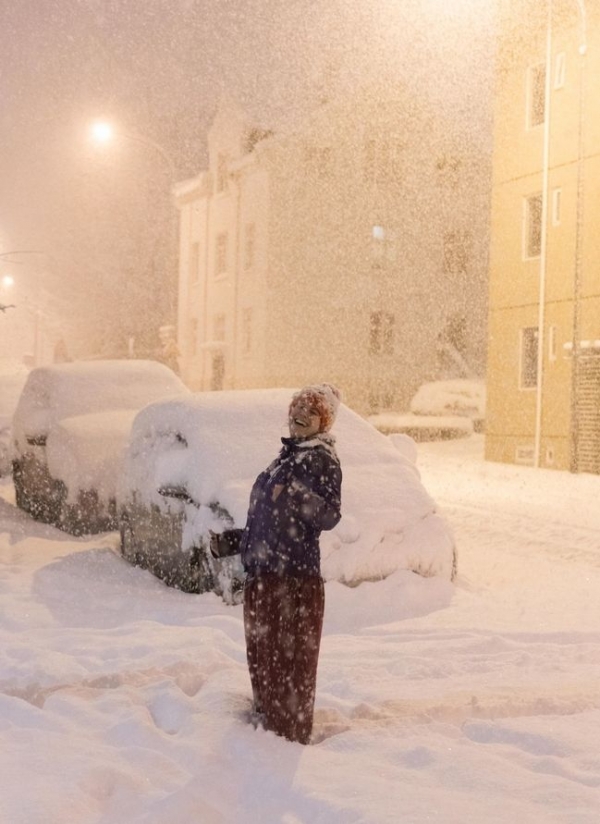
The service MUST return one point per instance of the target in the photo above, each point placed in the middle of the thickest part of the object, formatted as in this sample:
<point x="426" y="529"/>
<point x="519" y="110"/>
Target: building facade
<point x="353" y="250"/>
<point x="543" y="398"/>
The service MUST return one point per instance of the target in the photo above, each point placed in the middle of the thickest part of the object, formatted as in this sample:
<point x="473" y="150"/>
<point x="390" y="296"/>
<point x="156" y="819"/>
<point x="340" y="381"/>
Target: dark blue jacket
<point x="282" y="536"/>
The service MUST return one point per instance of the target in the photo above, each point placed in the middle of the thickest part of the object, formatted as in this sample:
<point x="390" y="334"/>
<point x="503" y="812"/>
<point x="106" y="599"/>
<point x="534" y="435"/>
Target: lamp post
<point x="103" y="132"/>
<point x="8" y="282"/>
<point x="581" y="10"/>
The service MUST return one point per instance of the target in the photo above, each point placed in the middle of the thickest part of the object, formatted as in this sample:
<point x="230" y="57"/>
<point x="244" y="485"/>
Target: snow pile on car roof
<point x="215" y="444"/>
<point x="86" y="451"/>
<point x="60" y="391"/>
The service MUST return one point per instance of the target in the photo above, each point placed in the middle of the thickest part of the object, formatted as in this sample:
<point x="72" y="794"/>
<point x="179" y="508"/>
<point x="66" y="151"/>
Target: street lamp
<point x="103" y="132"/>
<point x="582" y="50"/>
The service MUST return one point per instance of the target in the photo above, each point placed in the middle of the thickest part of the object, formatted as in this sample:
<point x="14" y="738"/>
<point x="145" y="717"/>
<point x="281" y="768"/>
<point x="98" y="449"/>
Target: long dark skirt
<point x="283" y="620"/>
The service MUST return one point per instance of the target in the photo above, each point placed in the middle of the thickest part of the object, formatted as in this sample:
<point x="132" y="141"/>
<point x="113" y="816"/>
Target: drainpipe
<point x="544" y="243"/>
<point x="577" y="278"/>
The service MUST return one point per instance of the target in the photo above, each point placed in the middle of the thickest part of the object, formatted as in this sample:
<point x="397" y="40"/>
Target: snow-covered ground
<point x="122" y="702"/>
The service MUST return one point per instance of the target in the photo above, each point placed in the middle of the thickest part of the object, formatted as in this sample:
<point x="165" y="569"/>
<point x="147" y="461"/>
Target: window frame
<point x="221" y="255"/>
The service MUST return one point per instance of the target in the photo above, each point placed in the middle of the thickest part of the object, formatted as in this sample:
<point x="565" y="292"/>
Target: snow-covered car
<point x="12" y="381"/>
<point x="189" y="468"/>
<point x="460" y="397"/>
<point x="440" y="410"/>
<point x="70" y="427"/>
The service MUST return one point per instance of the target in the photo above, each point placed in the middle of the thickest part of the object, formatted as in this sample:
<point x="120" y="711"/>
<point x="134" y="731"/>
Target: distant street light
<point x="8" y="282"/>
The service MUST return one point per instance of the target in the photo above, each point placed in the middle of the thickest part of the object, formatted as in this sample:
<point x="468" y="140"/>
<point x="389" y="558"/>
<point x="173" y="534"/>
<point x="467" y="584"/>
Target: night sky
<point x="158" y="68"/>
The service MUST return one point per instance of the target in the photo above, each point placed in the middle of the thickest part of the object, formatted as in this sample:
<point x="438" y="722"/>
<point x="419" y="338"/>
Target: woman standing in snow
<point x="291" y="503"/>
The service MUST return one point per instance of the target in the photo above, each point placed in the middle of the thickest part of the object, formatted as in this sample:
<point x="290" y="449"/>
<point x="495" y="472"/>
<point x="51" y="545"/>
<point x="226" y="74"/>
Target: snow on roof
<point x="86" y="451"/>
<point x="60" y="391"/>
<point x="215" y="444"/>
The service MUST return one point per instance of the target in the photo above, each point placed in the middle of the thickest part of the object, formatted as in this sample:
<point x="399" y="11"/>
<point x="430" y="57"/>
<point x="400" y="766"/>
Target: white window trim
<point x="556" y="205"/>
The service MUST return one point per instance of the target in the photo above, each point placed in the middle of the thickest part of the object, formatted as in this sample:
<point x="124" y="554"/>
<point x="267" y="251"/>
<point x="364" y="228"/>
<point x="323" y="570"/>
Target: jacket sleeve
<point x="315" y="492"/>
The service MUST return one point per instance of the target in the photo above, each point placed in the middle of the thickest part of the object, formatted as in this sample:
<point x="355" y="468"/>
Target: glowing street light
<point x="101" y="131"/>
<point x="8" y="281"/>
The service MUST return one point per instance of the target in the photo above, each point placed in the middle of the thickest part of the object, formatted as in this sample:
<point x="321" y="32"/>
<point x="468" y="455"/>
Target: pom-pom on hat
<point x="325" y="398"/>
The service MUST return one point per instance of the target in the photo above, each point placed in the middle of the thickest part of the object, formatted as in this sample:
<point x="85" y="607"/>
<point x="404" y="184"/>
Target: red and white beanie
<point x="325" y="398"/>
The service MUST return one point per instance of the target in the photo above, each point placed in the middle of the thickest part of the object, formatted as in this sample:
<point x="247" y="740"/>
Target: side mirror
<point x="180" y="493"/>
<point x="36" y="440"/>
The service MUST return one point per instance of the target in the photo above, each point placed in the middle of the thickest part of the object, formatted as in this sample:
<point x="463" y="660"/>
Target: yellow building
<point x="544" y="295"/>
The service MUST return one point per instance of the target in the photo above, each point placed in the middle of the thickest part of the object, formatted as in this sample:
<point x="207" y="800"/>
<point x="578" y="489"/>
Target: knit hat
<point x="326" y="400"/>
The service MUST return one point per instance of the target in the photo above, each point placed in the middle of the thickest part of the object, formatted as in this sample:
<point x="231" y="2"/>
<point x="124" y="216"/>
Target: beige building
<point x="544" y="323"/>
<point x="353" y="250"/>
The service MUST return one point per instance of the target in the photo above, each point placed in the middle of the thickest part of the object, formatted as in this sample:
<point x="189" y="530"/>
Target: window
<point x="559" y="71"/>
<point x="457" y="251"/>
<point x="317" y="160"/>
<point x="249" y="243"/>
<point x="221" y="173"/>
<point x="383" y="158"/>
<point x="383" y="245"/>
<point x="381" y="333"/>
<point x="247" y="331"/>
<point x="556" y="206"/>
<point x="219" y="327"/>
<point x="533" y="226"/>
<point x="194" y="262"/>
<point x="221" y="253"/>
<point x="529" y="358"/>
<point x="193" y="336"/>
<point x="536" y="95"/>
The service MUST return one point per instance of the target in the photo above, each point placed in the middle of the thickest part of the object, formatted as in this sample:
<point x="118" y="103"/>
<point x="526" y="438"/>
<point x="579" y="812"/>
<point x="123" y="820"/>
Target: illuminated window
<point x="383" y="245"/>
